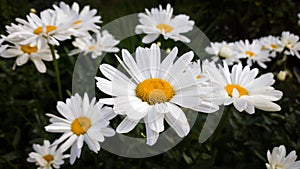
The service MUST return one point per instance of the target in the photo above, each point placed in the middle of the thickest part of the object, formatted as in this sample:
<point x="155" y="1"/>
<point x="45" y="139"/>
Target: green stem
<point x="8" y="162"/>
<point x="55" y="64"/>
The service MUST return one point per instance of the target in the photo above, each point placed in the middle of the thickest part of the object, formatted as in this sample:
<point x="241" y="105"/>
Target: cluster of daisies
<point x="258" y="51"/>
<point x="32" y="38"/>
<point x="155" y="86"/>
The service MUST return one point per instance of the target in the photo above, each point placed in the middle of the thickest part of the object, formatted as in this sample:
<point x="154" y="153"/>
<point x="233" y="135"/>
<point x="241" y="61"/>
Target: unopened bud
<point x="282" y="75"/>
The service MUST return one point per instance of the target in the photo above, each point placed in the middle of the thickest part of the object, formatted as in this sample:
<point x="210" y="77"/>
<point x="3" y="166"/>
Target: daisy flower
<point x="160" y="21"/>
<point x="253" y="53"/>
<point x="85" y="21"/>
<point x="83" y="121"/>
<point x="23" y="53"/>
<point x="47" y="156"/>
<point x="278" y="159"/>
<point x="272" y="44"/>
<point x="224" y="51"/>
<point x="241" y="88"/>
<point x="48" y="27"/>
<point x="155" y="91"/>
<point x="291" y="42"/>
<point x="103" y="42"/>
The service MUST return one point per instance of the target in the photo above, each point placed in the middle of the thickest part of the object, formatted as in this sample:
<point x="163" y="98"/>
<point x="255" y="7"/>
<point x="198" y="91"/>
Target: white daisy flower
<point x="272" y="44"/>
<point x="103" y="42"/>
<point x="224" y="51"/>
<point x="253" y="53"/>
<point x="86" y="20"/>
<point x="47" y="156"/>
<point x="160" y="21"/>
<point x="278" y="159"/>
<point x="83" y="121"/>
<point x="291" y="42"/>
<point x="23" y="53"/>
<point x="49" y="27"/>
<point x="241" y="88"/>
<point x="155" y="91"/>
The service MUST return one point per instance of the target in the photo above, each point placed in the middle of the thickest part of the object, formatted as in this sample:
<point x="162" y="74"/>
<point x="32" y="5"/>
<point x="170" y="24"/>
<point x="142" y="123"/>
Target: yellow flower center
<point x="49" y="28"/>
<point x="77" y="22"/>
<point x="48" y="158"/>
<point x="242" y="91"/>
<point x="165" y="27"/>
<point x="92" y="47"/>
<point x="29" y="49"/>
<point x="273" y="46"/>
<point x="249" y="53"/>
<point x="198" y="77"/>
<point x="290" y="45"/>
<point x="154" y="91"/>
<point x="80" y="125"/>
<point x="278" y="166"/>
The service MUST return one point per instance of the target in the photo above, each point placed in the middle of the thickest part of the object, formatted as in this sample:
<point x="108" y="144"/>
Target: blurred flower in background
<point x="161" y="21"/>
<point x="279" y="160"/>
<point x="23" y="53"/>
<point x="47" y="156"/>
<point x="103" y="42"/>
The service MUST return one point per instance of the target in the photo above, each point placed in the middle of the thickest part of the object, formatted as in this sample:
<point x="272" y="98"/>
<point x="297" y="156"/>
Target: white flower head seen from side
<point x="244" y="90"/>
<point x="279" y="160"/>
<point x="160" y="21"/>
<point x="103" y="42"/>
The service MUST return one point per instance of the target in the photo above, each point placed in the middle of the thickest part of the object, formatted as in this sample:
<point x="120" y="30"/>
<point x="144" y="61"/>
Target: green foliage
<point x="26" y="94"/>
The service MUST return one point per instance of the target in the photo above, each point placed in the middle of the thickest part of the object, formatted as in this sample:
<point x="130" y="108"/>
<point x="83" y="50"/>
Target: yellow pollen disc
<point x="154" y="90"/>
<point x="289" y="45"/>
<point x="29" y="49"/>
<point x="77" y="22"/>
<point x="165" y="27"/>
<point x="49" y="28"/>
<point x="48" y="158"/>
<point x="242" y="91"/>
<point x="198" y="77"/>
<point x="278" y="166"/>
<point x="80" y="125"/>
<point x="92" y="47"/>
<point x="273" y="46"/>
<point x="249" y="53"/>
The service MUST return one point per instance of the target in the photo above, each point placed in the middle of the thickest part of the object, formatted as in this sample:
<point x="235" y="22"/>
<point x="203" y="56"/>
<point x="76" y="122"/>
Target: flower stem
<point x="55" y="64"/>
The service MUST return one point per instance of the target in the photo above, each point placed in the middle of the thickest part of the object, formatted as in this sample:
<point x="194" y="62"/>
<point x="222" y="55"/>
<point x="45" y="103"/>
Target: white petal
<point x="67" y="144"/>
<point x="150" y="38"/>
<point x="21" y="60"/>
<point x="132" y="106"/>
<point x="177" y="120"/>
<point x="155" y="120"/>
<point x="240" y="104"/>
<point x="40" y="66"/>
<point x="126" y="125"/>
<point x="152" y="136"/>
<point x="80" y="141"/>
